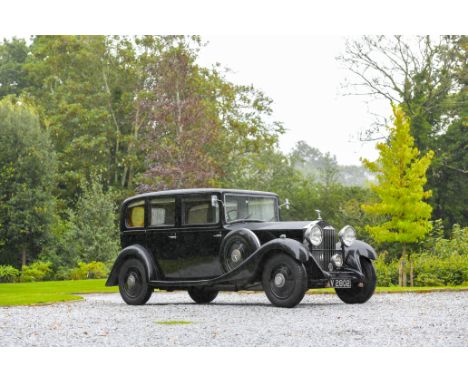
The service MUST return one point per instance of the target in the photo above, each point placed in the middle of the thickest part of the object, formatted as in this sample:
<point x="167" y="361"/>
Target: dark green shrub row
<point x="428" y="270"/>
<point x="43" y="271"/>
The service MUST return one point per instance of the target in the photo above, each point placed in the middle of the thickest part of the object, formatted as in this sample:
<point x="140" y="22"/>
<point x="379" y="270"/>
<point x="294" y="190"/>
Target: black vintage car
<point x="210" y="240"/>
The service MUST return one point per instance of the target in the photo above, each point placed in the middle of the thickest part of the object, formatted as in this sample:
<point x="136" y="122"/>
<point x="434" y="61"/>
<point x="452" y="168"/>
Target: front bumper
<point x="343" y="274"/>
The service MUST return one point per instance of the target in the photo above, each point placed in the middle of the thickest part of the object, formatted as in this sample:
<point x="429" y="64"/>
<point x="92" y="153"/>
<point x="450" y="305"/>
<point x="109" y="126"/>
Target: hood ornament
<point x="319" y="217"/>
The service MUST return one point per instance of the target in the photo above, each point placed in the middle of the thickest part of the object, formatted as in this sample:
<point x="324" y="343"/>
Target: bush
<point x="387" y="272"/>
<point x="433" y="270"/>
<point x="92" y="270"/>
<point x="8" y="274"/>
<point x="38" y="271"/>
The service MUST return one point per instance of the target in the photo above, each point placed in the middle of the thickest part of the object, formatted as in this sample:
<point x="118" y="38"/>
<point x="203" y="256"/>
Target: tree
<point x="13" y="78"/>
<point x="449" y="173"/>
<point x="401" y="176"/>
<point x="427" y="77"/>
<point x="93" y="231"/>
<point x="200" y="129"/>
<point x="27" y="171"/>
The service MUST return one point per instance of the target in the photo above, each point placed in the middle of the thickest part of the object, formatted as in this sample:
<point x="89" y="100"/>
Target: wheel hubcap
<point x="131" y="281"/>
<point x="236" y="255"/>
<point x="279" y="280"/>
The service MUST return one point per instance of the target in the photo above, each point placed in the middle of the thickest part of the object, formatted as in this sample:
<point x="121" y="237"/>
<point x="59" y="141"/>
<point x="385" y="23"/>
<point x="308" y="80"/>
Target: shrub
<point x="37" y="271"/>
<point x="8" y="274"/>
<point x="433" y="270"/>
<point x="387" y="272"/>
<point x="92" y="270"/>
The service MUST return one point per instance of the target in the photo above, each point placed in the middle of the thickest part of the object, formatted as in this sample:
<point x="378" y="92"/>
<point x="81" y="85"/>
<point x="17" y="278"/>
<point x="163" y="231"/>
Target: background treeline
<point x="86" y="121"/>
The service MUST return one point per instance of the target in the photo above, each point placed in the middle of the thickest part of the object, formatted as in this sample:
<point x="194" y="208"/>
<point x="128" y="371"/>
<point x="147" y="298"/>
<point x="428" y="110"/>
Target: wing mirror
<point x="215" y="201"/>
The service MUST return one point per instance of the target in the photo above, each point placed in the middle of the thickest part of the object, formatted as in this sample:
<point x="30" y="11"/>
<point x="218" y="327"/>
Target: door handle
<point x="217" y="235"/>
<point x="173" y="236"/>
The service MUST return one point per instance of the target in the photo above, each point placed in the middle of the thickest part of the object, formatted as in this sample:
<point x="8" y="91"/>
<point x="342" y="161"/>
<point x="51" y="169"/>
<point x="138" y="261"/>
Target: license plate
<point x="341" y="283"/>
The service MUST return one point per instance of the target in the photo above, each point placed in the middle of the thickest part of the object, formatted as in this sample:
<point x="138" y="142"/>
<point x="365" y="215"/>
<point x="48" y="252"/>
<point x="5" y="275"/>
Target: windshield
<point x="248" y="207"/>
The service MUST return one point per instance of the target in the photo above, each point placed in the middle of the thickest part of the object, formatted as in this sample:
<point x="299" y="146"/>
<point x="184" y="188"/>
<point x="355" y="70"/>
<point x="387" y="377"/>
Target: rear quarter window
<point x="135" y="215"/>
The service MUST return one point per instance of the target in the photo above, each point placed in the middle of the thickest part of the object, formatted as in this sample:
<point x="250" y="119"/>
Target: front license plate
<point x="341" y="283"/>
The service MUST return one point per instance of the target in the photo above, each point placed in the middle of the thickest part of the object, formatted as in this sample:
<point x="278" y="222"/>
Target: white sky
<point x="302" y="76"/>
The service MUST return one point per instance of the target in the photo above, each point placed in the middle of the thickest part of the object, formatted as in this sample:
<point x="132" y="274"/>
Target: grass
<point x="397" y="289"/>
<point x="46" y="292"/>
<point x="174" y="322"/>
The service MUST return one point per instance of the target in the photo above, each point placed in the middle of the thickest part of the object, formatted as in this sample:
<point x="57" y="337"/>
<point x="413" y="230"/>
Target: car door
<point x="161" y="234"/>
<point x="199" y="237"/>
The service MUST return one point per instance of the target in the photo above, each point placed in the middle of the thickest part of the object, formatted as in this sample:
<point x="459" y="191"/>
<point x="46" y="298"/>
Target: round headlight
<point x="315" y="235"/>
<point x="347" y="235"/>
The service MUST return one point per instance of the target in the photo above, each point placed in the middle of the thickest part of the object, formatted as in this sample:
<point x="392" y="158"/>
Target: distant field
<point x="47" y="292"/>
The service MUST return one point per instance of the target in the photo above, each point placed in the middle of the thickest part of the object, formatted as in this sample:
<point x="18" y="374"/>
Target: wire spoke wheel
<point x="284" y="280"/>
<point x="133" y="282"/>
<point x="360" y="294"/>
<point x="133" y="286"/>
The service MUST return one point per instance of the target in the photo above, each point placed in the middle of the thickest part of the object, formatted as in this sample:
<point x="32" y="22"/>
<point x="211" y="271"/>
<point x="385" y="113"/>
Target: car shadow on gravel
<point x="241" y="304"/>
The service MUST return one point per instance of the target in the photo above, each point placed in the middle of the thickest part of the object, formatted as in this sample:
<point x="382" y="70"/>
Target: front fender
<point x="355" y="251"/>
<point x="291" y="247"/>
<point x="359" y="248"/>
<point x="138" y="252"/>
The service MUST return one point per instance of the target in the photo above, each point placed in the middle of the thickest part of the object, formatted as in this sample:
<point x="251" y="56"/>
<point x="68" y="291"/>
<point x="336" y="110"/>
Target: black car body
<point x="210" y="240"/>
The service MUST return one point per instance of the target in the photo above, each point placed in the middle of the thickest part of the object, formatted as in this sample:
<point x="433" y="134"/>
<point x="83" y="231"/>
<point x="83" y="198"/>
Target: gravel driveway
<point x="235" y="319"/>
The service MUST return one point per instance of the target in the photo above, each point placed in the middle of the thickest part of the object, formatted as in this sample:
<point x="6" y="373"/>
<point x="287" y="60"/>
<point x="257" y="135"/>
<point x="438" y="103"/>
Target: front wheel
<point x="356" y="294"/>
<point x="284" y="281"/>
<point x="132" y="283"/>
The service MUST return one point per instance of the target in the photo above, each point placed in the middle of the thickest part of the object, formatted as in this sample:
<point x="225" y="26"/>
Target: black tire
<point x="356" y="294"/>
<point x="202" y="295"/>
<point x="236" y="247"/>
<point x="133" y="286"/>
<point x="284" y="280"/>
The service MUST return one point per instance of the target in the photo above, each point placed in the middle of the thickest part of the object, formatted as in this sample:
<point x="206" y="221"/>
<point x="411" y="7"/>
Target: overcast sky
<point x="303" y="78"/>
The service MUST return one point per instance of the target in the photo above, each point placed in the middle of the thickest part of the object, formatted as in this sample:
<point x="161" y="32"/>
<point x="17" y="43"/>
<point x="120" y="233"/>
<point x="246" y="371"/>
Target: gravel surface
<point x="241" y="319"/>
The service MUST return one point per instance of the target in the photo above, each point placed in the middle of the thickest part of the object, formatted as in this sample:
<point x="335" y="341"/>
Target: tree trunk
<point x="411" y="274"/>
<point x="402" y="275"/>
<point x="23" y="258"/>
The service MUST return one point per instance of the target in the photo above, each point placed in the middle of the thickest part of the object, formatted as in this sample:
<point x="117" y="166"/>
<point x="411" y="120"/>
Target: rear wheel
<point x="201" y="295"/>
<point x="132" y="283"/>
<point x="357" y="294"/>
<point x="284" y="281"/>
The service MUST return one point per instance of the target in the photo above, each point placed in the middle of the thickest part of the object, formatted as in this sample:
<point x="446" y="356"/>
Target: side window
<point x="135" y="214"/>
<point x="162" y="212"/>
<point x="197" y="210"/>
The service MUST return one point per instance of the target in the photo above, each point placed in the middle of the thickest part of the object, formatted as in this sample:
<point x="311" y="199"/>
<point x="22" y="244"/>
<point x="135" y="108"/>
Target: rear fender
<point x="136" y="252"/>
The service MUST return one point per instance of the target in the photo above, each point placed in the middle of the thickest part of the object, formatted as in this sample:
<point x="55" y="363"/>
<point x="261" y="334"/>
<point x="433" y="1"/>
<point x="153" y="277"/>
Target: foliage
<point x="445" y="262"/>
<point x="324" y="168"/>
<point x="92" y="270"/>
<point x="27" y="169"/>
<point x="93" y="230"/>
<point x="200" y="129"/>
<point x="8" y="274"/>
<point x="37" y="271"/>
<point x="428" y="77"/>
<point x="13" y="55"/>
<point x="401" y="177"/>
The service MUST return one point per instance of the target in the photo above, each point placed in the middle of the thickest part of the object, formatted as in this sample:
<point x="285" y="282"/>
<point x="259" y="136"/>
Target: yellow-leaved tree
<point x="401" y="176"/>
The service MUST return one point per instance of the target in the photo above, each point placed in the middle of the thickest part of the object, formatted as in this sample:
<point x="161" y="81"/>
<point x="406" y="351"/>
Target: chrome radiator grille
<point x="325" y="251"/>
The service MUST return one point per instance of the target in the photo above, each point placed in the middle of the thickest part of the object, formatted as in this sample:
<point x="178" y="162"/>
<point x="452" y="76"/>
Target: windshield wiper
<point x="246" y="220"/>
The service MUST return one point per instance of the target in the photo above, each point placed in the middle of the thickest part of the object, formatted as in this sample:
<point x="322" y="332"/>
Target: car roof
<point x="185" y="191"/>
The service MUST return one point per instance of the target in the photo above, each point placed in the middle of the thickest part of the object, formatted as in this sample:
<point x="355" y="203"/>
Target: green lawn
<point x="397" y="289"/>
<point x="49" y="291"/>
<point x="58" y="291"/>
